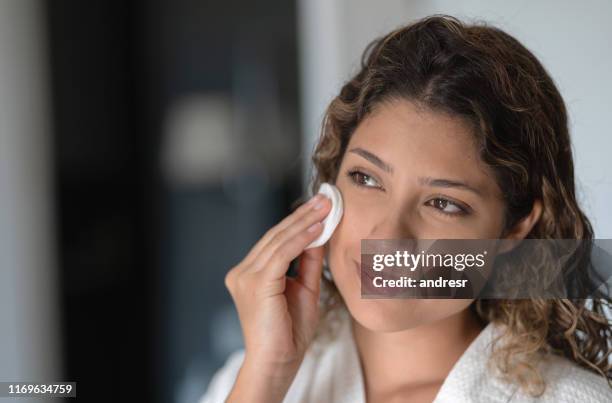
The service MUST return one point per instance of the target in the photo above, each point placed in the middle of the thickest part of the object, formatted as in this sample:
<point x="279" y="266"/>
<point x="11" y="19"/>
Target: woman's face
<point x="415" y="174"/>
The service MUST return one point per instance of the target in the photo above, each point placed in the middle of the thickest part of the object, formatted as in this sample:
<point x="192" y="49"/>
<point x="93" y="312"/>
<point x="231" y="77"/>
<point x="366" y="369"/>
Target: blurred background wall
<point x="30" y="320"/>
<point x="147" y="145"/>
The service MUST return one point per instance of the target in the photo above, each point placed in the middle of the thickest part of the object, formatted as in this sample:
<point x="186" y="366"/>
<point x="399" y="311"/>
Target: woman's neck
<point x="415" y="357"/>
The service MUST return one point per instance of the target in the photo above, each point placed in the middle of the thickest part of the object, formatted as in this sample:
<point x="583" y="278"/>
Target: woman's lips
<point x="358" y="269"/>
<point x="368" y="289"/>
<point x="364" y="274"/>
<point x="371" y="274"/>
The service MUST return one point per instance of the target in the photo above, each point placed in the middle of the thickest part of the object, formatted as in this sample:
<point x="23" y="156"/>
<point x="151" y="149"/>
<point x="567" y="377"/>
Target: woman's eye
<point x="362" y="179"/>
<point x="447" y="207"/>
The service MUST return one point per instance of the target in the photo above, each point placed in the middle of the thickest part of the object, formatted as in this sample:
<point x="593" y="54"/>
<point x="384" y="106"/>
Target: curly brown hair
<point x="485" y="76"/>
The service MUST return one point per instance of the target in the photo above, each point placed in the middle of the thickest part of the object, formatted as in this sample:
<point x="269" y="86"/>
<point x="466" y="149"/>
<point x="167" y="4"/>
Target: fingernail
<point x="313" y="227"/>
<point x="314" y="198"/>
<point x="319" y="203"/>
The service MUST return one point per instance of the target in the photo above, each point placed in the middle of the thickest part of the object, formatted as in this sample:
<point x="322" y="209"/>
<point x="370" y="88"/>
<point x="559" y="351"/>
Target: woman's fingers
<point x="298" y="214"/>
<point x="310" y="268"/>
<point x="278" y="263"/>
<point x="290" y="242"/>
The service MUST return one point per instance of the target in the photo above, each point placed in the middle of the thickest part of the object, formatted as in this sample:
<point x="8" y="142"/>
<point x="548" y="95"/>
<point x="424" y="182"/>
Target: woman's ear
<point x="519" y="231"/>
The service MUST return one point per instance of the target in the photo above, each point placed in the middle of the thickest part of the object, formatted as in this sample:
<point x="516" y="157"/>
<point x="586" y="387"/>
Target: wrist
<point x="262" y="382"/>
<point x="274" y="368"/>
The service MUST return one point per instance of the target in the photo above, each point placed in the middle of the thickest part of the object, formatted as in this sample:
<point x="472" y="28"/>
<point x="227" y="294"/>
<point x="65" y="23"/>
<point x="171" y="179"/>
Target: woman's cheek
<point x="345" y="242"/>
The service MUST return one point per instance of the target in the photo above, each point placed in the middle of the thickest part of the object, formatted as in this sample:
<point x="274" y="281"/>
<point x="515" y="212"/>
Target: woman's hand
<point x="278" y="314"/>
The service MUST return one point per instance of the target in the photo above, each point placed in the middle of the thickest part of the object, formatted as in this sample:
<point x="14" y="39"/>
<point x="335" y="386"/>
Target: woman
<point x="447" y="131"/>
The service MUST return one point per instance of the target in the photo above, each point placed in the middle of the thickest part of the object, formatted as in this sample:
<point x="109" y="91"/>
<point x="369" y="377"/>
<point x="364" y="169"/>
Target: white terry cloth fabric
<point x="330" y="222"/>
<point x="333" y="375"/>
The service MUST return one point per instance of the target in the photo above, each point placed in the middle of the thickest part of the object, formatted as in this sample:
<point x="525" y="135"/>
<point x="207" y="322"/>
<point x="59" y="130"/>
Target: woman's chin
<point x="385" y="315"/>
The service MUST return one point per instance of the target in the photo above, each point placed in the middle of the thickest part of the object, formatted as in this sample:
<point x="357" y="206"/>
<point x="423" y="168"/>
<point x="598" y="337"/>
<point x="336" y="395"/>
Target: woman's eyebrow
<point x="448" y="183"/>
<point x="428" y="181"/>
<point x="373" y="159"/>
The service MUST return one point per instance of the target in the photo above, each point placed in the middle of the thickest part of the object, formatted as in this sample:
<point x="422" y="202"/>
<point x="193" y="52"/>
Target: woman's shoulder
<point x="566" y="381"/>
<point x="570" y="382"/>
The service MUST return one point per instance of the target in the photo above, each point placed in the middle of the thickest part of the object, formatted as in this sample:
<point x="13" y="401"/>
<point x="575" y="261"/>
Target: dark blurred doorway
<point x="176" y="140"/>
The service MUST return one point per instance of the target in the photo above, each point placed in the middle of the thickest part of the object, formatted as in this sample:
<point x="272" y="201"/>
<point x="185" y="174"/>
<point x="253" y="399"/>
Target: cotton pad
<point x="333" y="218"/>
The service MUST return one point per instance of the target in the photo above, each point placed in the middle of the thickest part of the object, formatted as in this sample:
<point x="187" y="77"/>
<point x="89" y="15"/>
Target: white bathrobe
<point x="332" y="374"/>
